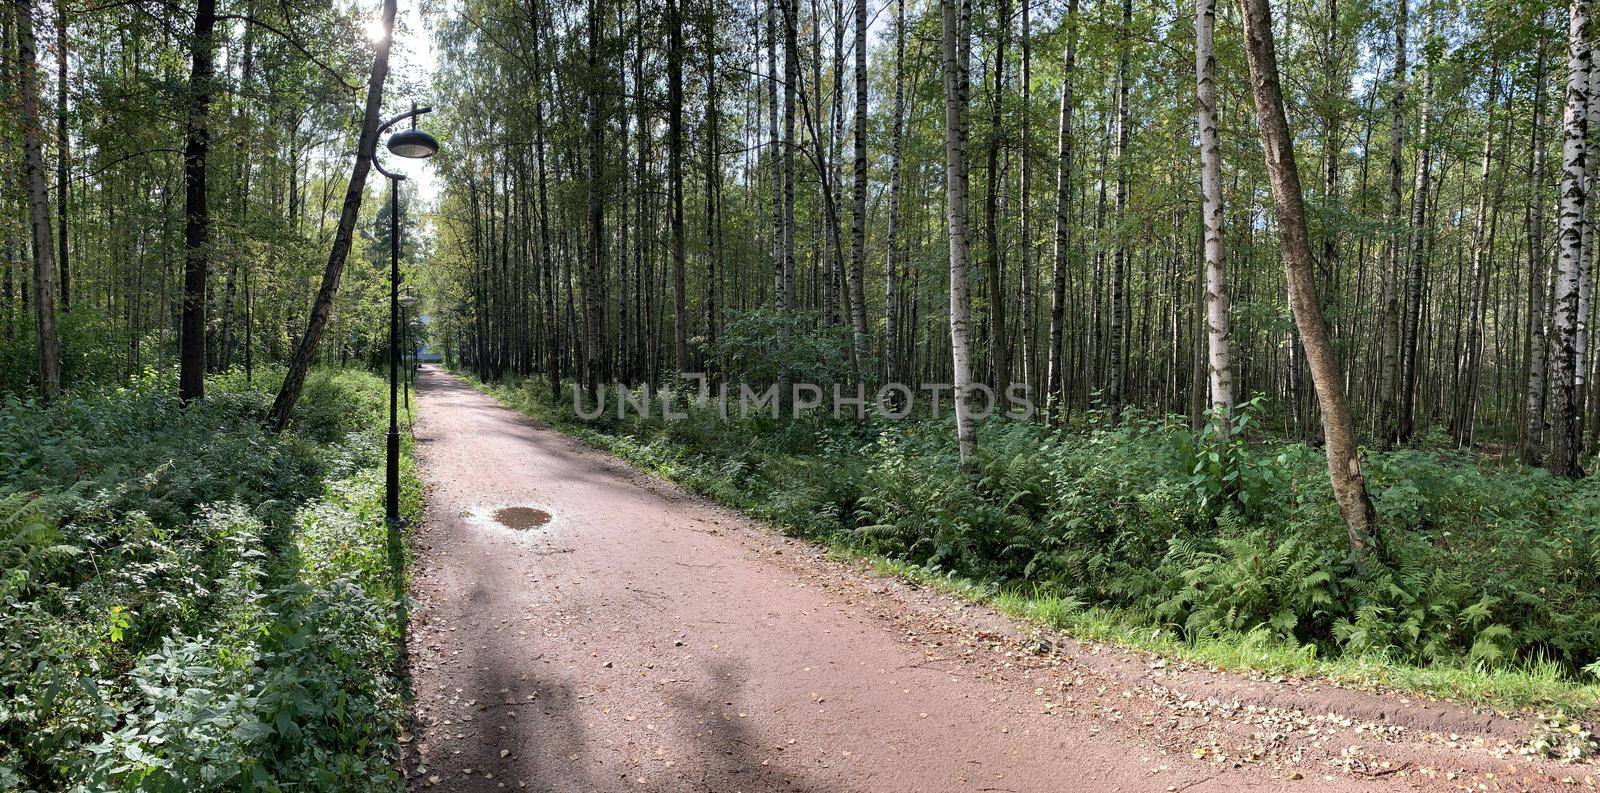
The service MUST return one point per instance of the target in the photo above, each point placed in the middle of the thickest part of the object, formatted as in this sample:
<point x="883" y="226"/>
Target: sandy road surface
<point x="645" y="640"/>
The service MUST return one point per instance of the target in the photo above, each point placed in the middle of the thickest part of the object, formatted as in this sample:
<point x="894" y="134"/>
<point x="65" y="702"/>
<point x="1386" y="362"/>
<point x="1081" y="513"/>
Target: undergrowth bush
<point x="190" y="602"/>
<point x="1488" y="564"/>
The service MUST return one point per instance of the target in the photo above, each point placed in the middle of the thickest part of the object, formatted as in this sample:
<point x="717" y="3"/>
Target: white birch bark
<point x="957" y="57"/>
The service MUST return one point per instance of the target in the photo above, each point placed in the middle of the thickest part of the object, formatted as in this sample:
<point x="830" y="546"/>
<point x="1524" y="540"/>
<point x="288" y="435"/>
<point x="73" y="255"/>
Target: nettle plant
<point x="1221" y="468"/>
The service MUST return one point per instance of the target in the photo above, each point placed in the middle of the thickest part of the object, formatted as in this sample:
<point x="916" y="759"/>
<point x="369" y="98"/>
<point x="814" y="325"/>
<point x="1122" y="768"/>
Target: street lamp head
<point x="413" y="144"/>
<point x="408" y="300"/>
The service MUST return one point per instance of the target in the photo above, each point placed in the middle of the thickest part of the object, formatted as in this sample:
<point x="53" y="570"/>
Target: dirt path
<point x="645" y="640"/>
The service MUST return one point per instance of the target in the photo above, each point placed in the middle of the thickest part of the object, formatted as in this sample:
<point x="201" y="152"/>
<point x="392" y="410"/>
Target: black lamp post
<point x="413" y="144"/>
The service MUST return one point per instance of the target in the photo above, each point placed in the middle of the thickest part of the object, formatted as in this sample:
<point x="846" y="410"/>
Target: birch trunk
<point x="1564" y="438"/>
<point x="1217" y="328"/>
<point x="1344" y="460"/>
<point x="44" y="261"/>
<point x="957" y="55"/>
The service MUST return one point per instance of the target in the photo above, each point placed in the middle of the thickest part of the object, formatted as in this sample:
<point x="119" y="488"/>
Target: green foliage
<point x="1491" y="566"/>
<point x="192" y="603"/>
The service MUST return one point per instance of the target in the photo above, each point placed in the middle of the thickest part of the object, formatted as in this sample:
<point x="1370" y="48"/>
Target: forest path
<point x="645" y="640"/>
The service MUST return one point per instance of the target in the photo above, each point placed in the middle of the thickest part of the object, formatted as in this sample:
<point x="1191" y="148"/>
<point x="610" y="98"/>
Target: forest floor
<point x="582" y="626"/>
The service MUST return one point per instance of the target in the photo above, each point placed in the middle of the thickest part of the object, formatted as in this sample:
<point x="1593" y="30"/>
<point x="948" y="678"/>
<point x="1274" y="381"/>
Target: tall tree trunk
<point x="8" y="286"/>
<point x="680" y="306"/>
<point x="294" y="378"/>
<point x="957" y="55"/>
<point x="1061" y="260"/>
<point x="1532" y="441"/>
<point x="999" y="355"/>
<point x="1465" y="415"/>
<point x="791" y="80"/>
<point x="1218" y="333"/>
<point x="44" y="262"/>
<point x="552" y="320"/>
<point x="858" y="220"/>
<point x="1024" y="206"/>
<point x="197" y="216"/>
<point x="1405" y="424"/>
<point x="593" y="303"/>
<point x="1390" y="310"/>
<point x="782" y="169"/>
<point x="893" y="257"/>
<point x="63" y="158"/>
<point x="1119" y="257"/>
<point x="1565" y="441"/>
<point x="1344" y="460"/>
<point x="713" y="175"/>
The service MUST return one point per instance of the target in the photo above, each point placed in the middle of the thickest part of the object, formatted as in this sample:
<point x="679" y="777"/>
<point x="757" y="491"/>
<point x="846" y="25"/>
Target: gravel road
<point x="623" y="635"/>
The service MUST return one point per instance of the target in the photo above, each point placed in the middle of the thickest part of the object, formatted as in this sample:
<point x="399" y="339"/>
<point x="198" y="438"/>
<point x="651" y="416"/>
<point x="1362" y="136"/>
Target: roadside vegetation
<point x="192" y="602"/>
<point x="1145" y="534"/>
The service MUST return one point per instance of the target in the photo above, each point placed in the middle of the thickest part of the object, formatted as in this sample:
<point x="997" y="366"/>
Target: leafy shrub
<point x="191" y="602"/>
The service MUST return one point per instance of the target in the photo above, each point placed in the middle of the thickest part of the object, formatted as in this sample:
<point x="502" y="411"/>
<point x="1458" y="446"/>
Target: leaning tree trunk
<point x="957" y="57"/>
<point x="1565" y="442"/>
<point x="44" y="262"/>
<point x="1217" y="329"/>
<point x="1344" y="460"/>
<point x="300" y="365"/>
<point x="196" y="215"/>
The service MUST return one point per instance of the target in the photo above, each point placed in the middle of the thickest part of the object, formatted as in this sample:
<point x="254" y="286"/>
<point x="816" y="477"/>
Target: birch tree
<point x="1217" y="331"/>
<point x="957" y="20"/>
<point x="1338" y="430"/>
<point x="44" y="264"/>
<point x="1565" y="438"/>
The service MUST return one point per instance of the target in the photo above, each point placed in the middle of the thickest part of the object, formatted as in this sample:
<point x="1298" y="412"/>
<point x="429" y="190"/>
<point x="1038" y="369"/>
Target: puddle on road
<point x="521" y="518"/>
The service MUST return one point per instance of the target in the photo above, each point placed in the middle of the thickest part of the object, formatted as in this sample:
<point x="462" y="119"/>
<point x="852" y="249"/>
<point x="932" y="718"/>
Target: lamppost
<point x="412" y="144"/>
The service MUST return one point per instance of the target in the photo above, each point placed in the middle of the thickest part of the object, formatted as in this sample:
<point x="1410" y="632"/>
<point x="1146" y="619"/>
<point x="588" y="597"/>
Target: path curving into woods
<point x="620" y="634"/>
